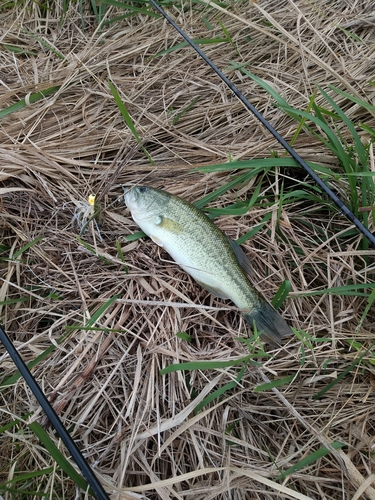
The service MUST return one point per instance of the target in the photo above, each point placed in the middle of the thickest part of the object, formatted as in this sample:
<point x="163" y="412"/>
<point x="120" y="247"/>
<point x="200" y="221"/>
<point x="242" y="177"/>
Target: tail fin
<point x="269" y="322"/>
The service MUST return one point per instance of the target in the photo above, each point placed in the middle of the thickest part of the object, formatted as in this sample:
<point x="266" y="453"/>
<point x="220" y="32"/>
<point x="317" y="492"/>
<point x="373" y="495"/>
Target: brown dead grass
<point x="136" y="426"/>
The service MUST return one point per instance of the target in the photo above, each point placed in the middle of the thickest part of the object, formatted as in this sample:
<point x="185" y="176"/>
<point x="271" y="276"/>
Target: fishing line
<point x="340" y="204"/>
<point x="77" y="456"/>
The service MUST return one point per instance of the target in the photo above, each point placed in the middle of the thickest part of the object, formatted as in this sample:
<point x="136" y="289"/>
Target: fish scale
<point x="203" y="251"/>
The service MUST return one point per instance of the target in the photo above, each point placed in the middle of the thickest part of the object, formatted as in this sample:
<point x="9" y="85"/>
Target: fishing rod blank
<point x="53" y="418"/>
<point x="341" y="205"/>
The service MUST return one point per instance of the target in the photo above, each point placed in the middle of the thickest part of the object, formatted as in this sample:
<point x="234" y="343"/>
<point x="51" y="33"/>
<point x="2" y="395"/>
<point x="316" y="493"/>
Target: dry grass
<point x="136" y="426"/>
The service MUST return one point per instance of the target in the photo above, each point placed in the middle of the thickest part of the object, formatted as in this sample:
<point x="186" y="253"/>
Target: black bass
<point x="203" y="251"/>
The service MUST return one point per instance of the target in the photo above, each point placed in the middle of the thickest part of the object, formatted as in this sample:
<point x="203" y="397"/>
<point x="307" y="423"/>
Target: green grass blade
<point x="340" y="290"/>
<point x="197" y="41"/>
<point x="4" y="248"/>
<point x="19" y="50"/>
<point x="350" y="34"/>
<point x="31" y="99"/>
<point x="134" y="10"/>
<point x="313" y="457"/>
<point x="274" y="383"/>
<point x="336" y="144"/>
<point x="215" y="395"/>
<point x="95" y="10"/>
<point x="184" y="336"/>
<point x="92" y="328"/>
<point x="342" y="375"/>
<point x="229" y="38"/>
<point x="303" y="120"/>
<point x="46" y="45"/>
<point x="29" y="475"/>
<point x="223" y="189"/>
<point x="221" y="391"/>
<point x="45" y="354"/>
<point x="22" y="493"/>
<point x="135" y="236"/>
<point x="259" y="164"/>
<point x="368" y="129"/>
<point x="202" y="365"/>
<point x="185" y="110"/>
<point x="99" y="312"/>
<point x="270" y="90"/>
<point x="9" y="425"/>
<point x="239" y="208"/>
<point x="27" y="246"/>
<point x="255" y="229"/>
<point x="243" y="164"/>
<point x="281" y="294"/>
<point x="124" y="111"/>
<point x="369" y="305"/>
<point x="359" y="348"/>
<point x="357" y="100"/>
<point x="358" y="143"/>
<point x="127" y="118"/>
<point x="207" y="23"/>
<point x="121" y="256"/>
<point x="14" y="301"/>
<point x="358" y="174"/>
<point x="58" y="456"/>
<point x="92" y="250"/>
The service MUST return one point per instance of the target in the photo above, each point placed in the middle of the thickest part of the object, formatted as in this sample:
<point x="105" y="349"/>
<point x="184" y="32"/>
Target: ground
<point x="94" y="97"/>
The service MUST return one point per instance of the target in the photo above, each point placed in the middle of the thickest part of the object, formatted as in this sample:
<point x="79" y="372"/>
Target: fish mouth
<point x="132" y="197"/>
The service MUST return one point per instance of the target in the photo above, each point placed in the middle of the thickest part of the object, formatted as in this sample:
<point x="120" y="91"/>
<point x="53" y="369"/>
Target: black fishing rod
<point x="77" y="456"/>
<point x="341" y="205"/>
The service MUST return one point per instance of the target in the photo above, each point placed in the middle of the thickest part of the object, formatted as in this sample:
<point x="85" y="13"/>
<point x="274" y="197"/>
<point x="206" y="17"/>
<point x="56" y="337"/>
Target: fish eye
<point x="142" y="189"/>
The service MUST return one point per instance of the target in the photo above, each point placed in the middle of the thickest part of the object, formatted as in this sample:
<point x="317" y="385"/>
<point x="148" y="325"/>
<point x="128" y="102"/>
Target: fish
<point x="202" y="250"/>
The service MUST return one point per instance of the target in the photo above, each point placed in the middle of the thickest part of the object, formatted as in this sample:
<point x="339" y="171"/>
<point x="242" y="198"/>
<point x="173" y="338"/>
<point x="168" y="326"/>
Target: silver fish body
<point x="204" y="252"/>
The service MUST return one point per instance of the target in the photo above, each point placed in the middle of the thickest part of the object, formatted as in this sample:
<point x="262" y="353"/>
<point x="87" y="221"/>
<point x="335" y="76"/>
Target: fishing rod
<point x="340" y="204"/>
<point x="77" y="456"/>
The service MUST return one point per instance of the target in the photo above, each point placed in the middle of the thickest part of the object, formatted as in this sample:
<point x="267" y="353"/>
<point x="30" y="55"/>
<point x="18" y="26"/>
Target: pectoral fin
<point x="242" y="258"/>
<point x="169" y="225"/>
<point x="156" y="240"/>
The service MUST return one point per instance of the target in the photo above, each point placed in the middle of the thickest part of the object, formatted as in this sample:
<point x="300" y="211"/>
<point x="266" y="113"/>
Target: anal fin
<point x="243" y="260"/>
